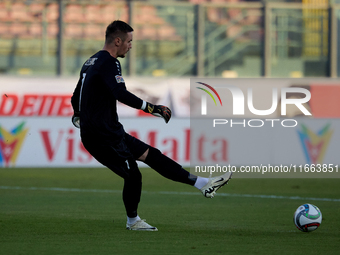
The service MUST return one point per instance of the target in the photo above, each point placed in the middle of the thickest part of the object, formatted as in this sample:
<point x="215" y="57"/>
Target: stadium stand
<point x="35" y="29"/>
<point x="94" y="31"/>
<point x="73" y="14"/>
<point x="152" y="26"/>
<point x="52" y="12"/>
<point x="166" y="32"/>
<point x="4" y="14"/>
<point x="92" y="14"/>
<point x="31" y="27"/>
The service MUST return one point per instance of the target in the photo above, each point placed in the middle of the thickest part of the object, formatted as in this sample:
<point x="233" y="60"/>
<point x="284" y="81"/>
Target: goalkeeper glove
<point x="158" y="110"/>
<point x="76" y="119"/>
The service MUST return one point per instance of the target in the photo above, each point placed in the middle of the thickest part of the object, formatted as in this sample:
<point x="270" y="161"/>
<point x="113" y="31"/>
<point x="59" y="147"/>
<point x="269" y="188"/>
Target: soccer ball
<point x="307" y="217"/>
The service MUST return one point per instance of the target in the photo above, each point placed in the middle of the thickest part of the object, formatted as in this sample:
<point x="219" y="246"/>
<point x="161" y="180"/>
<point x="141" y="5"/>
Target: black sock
<point x="132" y="189"/>
<point x="168" y="168"/>
<point x="131" y="197"/>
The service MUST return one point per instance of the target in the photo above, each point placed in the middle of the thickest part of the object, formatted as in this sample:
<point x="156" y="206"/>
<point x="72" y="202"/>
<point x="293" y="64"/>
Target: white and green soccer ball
<point x="307" y="217"/>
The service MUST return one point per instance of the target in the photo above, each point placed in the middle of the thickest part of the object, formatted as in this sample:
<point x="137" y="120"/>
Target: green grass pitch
<point x="80" y="211"/>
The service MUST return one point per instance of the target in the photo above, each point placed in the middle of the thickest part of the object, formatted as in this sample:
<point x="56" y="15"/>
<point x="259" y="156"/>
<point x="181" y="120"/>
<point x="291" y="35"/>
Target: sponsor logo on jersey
<point x="119" y="79"/>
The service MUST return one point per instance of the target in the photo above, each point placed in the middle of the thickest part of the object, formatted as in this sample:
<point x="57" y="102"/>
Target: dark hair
<point x="116" y="29"/>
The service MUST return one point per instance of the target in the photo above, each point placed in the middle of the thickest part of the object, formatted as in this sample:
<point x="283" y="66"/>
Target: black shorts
<point x="119" y="156"/>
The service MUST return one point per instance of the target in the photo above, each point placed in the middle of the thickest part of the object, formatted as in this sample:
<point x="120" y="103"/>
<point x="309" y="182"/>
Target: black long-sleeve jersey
<point x="99" y="87"/>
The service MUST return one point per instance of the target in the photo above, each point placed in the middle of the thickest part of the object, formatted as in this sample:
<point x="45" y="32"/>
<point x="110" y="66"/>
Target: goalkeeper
<point x="94" y="102"/>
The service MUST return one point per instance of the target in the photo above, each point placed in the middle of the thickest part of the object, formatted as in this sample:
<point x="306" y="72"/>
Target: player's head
<point x="119" y="34"/>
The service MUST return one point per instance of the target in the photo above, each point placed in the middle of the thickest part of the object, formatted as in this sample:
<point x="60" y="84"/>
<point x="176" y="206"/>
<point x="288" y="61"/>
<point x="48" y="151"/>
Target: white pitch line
<point x="170" y="193"/>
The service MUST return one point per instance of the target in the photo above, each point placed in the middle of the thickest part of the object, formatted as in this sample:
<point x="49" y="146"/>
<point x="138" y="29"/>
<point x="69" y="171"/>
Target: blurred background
<point x="212" y="38"/>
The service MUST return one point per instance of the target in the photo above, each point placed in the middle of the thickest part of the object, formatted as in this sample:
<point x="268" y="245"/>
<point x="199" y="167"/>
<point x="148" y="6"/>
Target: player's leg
<point x="172" y="170"/>
<point x="131" y="197"/>
<point x="119" y="160"/>
<point x="158" y="161"/>
<point x="167" y="167"/>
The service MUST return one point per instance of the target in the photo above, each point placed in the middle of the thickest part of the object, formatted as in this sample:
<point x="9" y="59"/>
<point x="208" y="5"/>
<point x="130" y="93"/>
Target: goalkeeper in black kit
<point x="94" y="102"/>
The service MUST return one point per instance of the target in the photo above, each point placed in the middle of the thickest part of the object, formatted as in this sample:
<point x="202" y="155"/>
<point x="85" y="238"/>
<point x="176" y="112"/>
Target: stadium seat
<point x="52" y="12"/>
<point x="108" y="13"/>
<point x="123" y="13"/>
<point x="198" y="1"/>
<point x="94" y="31"/>
<point x="18" y="29"/>
<point x="152" y="26"/>
<point x="168" y="32"/>
<point x="3" y="29"/>
<point x="74" y="13"/>
<point x="36" y="7"/>
<point x="148" y="32"/>
<point x="92" y="14"/>
<point x="52" y="30"/>
<point x="73" y="31"/>
<point x="35" y="29"/>
<point x="19" y="12"/>
<point x="147" y="15"/>
<point x="137" y="34"/>
<point x="36" y="11"/>
<point x="4" y="12"/>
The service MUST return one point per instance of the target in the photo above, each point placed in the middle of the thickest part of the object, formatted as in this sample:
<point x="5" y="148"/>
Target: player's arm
<point x="157" y="110"/>
<point x="116" y="84"/>
<point x="75" y="104"/>
<point x="126" y="97"/>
